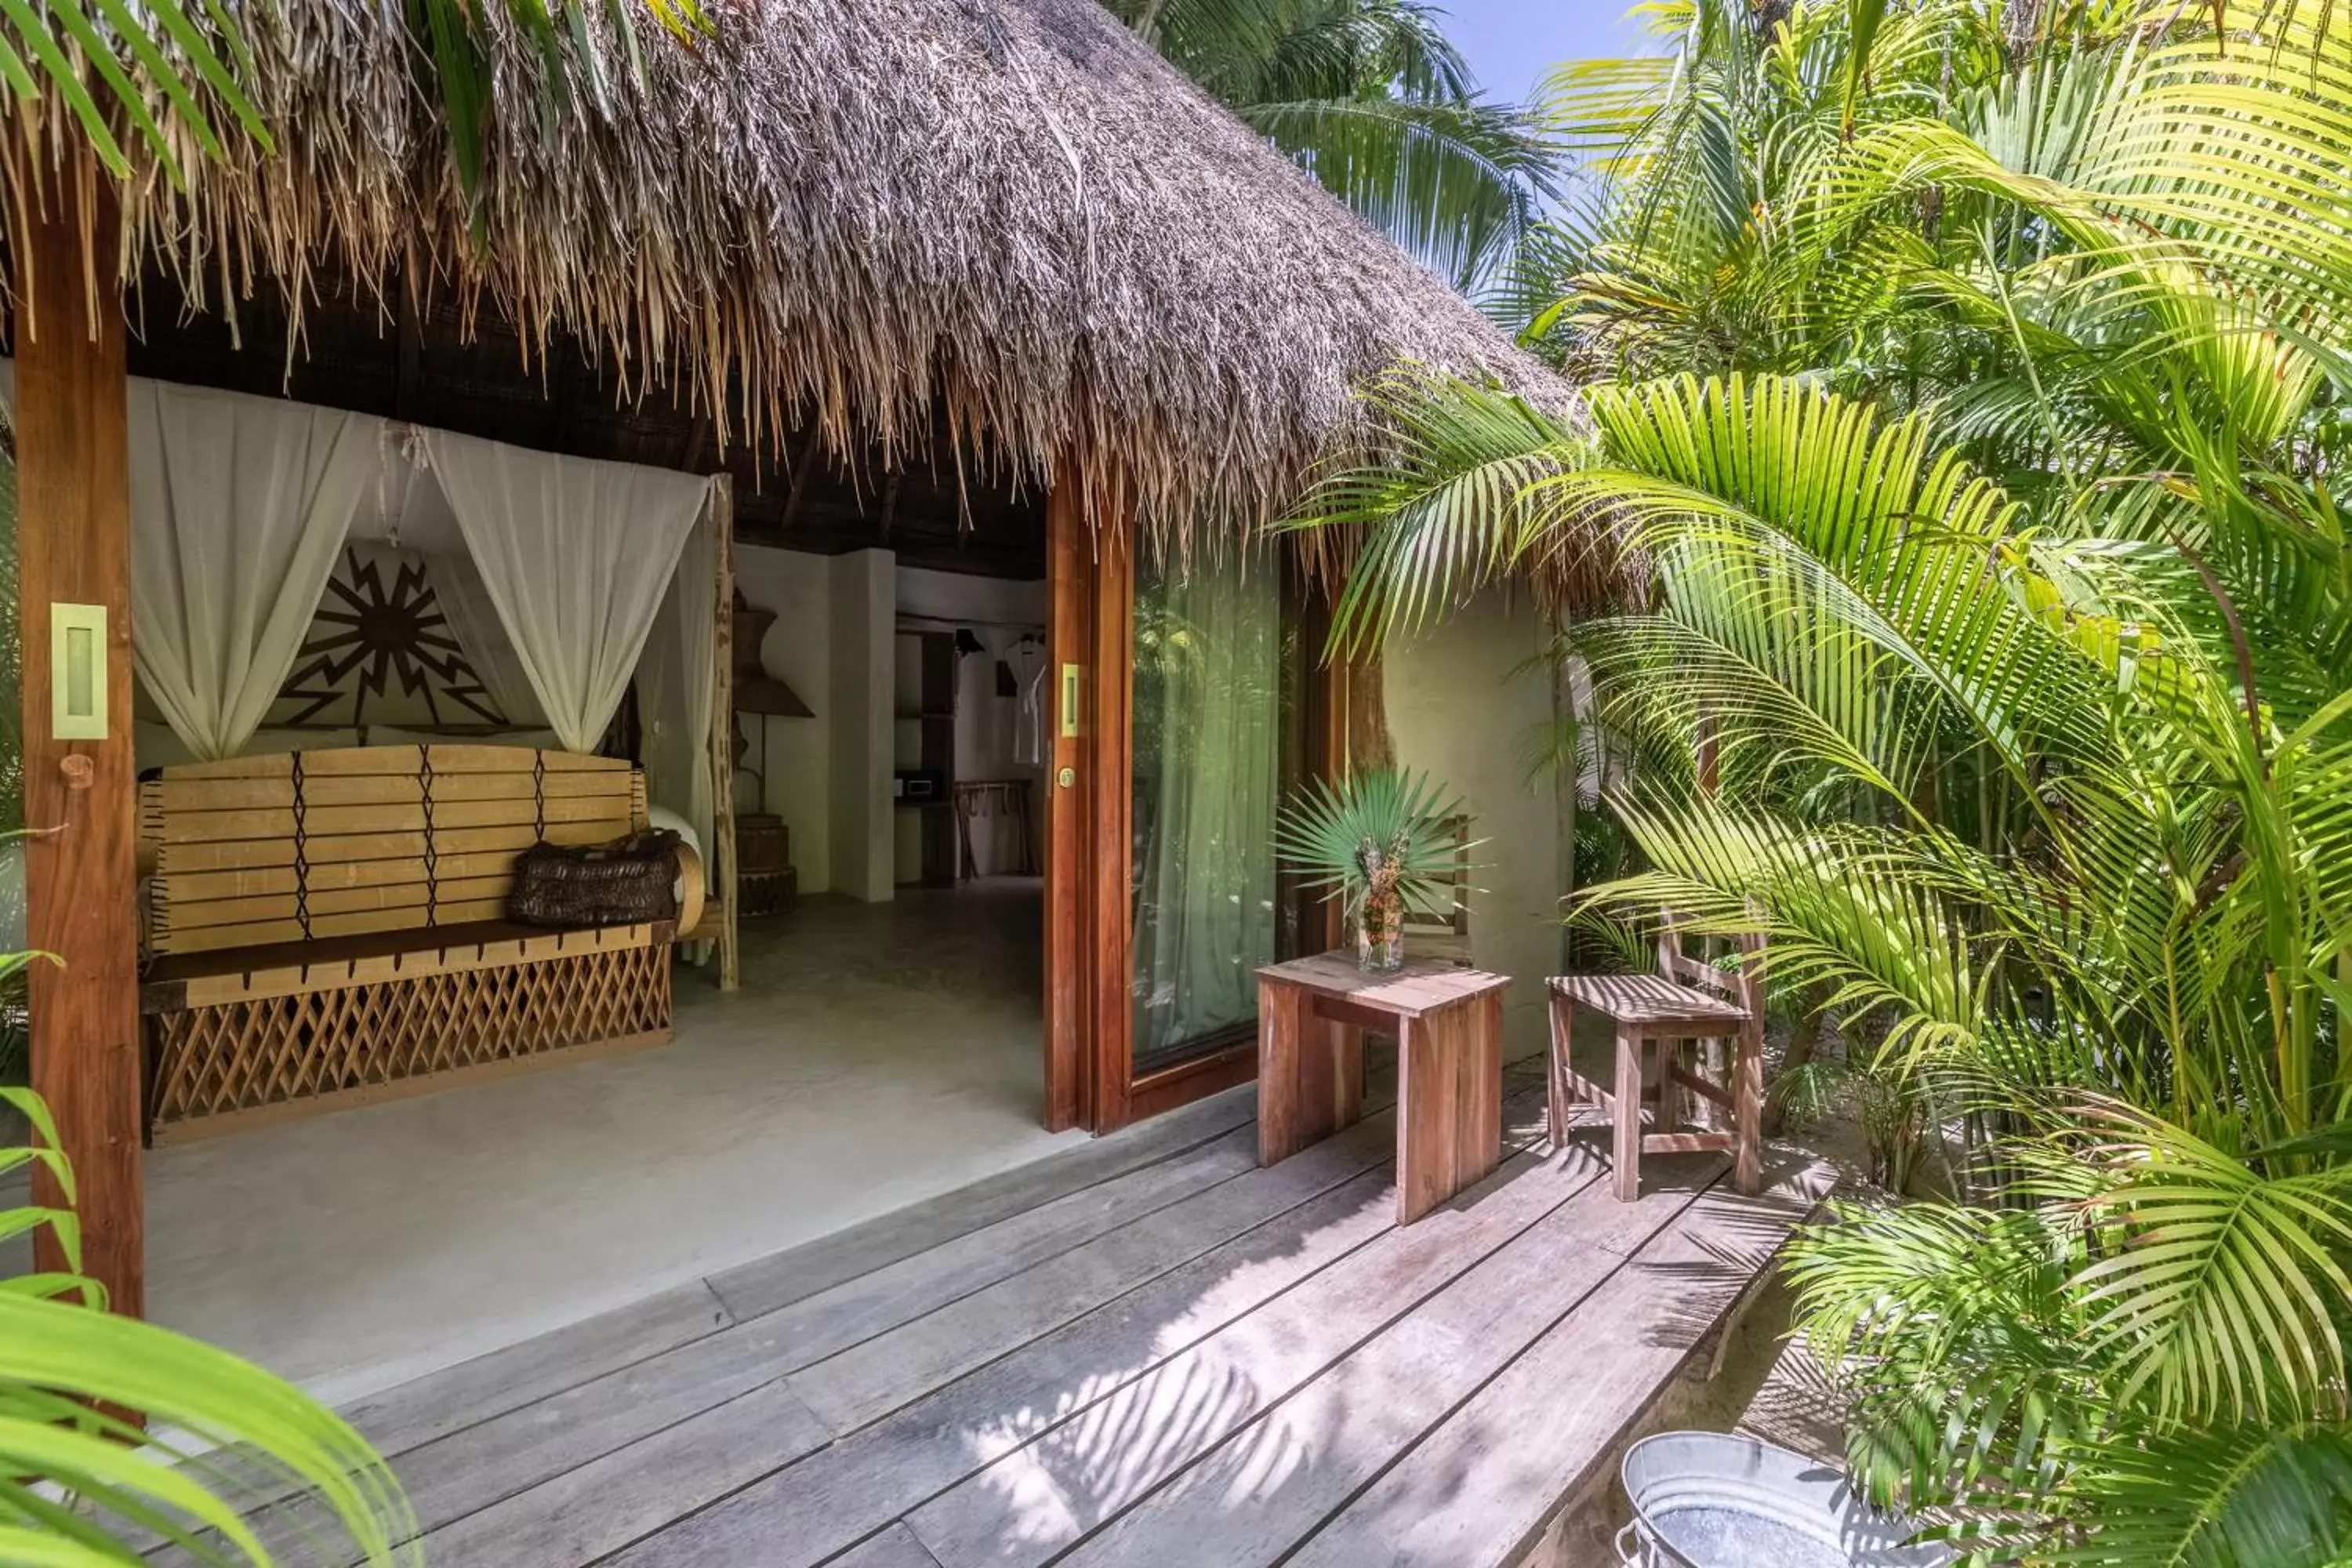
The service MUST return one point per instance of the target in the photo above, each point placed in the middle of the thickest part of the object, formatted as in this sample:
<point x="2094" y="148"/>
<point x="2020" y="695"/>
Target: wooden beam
<point x="73" y="546"/>
<point x="723" y="880"/>
<point x="804" y="467"/>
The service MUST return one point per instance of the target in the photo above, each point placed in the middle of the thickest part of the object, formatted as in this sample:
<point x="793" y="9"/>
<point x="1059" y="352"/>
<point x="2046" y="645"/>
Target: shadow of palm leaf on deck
<point x="1088" y="1470"/>
<point x="1240" y="1424"/>
<point x="1695" y="1294"/>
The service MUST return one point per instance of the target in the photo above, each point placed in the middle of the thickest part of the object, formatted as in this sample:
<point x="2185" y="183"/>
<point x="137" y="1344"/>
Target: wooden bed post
<point x="73" y="541"/>
<point x="721" y="870"/>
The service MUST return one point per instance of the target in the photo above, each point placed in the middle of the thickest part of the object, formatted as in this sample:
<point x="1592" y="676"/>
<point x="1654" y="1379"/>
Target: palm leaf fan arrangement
<point x="1383" y="841"/>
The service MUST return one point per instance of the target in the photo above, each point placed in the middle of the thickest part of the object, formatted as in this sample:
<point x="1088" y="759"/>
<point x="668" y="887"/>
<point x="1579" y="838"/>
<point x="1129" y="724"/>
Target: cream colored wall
<point x="833" y="641"/>
<point x="797" y="753"/>
<point x="864" y="616"/>
<point x="1461" y="708"/>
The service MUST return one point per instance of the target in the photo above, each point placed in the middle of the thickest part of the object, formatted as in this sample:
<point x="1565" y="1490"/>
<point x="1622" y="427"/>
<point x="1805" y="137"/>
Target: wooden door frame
<point x="73" y="541"/>
<point x="1089" y="898"/>
<point x="1070" y="791"/>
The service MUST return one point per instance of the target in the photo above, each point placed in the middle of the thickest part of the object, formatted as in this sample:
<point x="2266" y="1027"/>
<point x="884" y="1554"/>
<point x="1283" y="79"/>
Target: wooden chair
<point x="1689" y="1000"/>
<point x="1445" y="933"/>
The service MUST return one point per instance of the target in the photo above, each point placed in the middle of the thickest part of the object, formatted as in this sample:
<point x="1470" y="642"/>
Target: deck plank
<point x="582" y="1514"/>
<point x="819" y="1505"/>
<point x="868" y="1381"/>
<point x="1268" y="1486"/>
<point x="423" y="1412"/>
<point x="1061" y="1486"/>
<point x="526" y="1446"/>
<point x="894" y="1548"/>
<point x="803" y="1513"/>
<point x="416" y="1413"/>
<point x="768" y="1284"/>
<point x="516" y="1468"/>
<point x="519" y="1444"/>
<point x="1161" y="1355"/>
<point x="1478" y="1489"/>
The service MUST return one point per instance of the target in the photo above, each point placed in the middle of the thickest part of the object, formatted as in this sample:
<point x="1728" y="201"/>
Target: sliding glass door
<point x="1182" y="707"/>
<point x="1206" y="772"/>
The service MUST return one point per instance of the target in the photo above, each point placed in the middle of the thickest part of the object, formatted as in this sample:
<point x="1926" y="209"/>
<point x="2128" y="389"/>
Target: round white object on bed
<point x="662" y="816"/>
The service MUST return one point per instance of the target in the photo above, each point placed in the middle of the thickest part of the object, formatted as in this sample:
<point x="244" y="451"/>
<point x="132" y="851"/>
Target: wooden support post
<point x="721" y="870"/>
<point x="73" y="541"/>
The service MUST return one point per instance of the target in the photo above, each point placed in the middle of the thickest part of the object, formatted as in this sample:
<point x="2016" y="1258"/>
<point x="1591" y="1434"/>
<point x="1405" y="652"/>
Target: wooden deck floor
<point x="1144" y="1352"/>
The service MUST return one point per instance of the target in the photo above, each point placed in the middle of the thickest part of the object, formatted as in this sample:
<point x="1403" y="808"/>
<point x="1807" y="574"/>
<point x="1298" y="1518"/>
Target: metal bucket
<point x="1711" y="1499"/>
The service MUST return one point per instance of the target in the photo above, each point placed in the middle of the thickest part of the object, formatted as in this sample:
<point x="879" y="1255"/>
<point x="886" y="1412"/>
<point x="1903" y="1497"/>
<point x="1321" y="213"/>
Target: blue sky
<point x="1511" y="43"/>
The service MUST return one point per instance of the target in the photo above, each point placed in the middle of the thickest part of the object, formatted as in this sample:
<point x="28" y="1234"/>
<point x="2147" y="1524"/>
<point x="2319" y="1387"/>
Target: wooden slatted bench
<point x="327" y="927"/>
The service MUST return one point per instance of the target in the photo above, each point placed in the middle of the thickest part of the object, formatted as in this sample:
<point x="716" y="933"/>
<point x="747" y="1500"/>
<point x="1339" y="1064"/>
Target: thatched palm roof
<point x="846" y="209"/>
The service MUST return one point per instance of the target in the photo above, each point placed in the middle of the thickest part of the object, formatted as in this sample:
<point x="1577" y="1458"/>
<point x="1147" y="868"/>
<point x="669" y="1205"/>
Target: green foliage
<point x="582" y="47"/>
<point x="1375" y="831"/>
<point x="1372" y="99"/>
<point x="81" y="1485"/>
<point x="156" y="50"/>
<point x="1967" y="383"/>
<point x="171" y="75"/>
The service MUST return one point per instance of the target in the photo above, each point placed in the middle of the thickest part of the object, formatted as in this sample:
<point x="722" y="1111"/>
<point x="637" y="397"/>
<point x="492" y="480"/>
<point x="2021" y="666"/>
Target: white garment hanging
<point x="1026" y="659"/>
<point x="575" y="555"/>
<point x="239" y="508"/>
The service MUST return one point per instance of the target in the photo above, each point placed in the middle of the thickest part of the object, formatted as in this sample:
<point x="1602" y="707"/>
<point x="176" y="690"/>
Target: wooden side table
<point x="1448" y="1024"/>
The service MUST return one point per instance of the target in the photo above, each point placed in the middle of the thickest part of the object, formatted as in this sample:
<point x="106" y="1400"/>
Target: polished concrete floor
<point x="877" y="1055"/>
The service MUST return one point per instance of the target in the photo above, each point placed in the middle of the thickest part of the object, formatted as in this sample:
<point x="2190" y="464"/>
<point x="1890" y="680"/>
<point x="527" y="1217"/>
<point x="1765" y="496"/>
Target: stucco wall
<point x="797" y="753"/>
<point x="864" y="613"/>
<point x="1461" y="708"/>
<point x="833" y="641"/>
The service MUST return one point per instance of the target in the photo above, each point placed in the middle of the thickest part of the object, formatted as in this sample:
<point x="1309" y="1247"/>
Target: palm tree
<point x="1992" y="538"/>
<point x="1370" y="98"/>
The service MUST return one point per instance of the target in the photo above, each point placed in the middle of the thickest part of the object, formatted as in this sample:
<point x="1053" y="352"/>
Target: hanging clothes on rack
<point x="1026" y="659"/>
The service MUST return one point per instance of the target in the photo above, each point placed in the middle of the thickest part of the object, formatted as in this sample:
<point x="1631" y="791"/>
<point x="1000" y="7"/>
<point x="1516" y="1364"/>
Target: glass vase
<point x="1380" y="934"/>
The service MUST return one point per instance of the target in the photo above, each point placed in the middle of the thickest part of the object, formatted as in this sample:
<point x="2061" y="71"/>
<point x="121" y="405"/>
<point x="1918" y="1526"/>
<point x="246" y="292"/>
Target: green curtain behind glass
<point x="1207" y="739"/>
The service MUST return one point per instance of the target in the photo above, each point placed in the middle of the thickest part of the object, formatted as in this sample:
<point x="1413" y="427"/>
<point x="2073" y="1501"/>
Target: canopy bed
<point x="377" y="663"/>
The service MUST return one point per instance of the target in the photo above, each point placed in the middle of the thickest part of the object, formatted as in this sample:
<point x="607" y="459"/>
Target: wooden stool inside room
<point x="1690" y="1003"/>
<point x="1448" y="1024"/>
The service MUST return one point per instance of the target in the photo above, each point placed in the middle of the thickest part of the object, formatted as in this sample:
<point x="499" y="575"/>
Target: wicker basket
<point x="621" y="883"/>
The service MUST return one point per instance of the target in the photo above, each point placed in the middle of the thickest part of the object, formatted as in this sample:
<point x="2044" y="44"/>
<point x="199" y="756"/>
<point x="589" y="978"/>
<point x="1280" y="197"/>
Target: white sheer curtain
<point x="465" y="602"/>
<point x="238" y="505"/>
<point x="676" y="686"/>
<point x="576" y="555"/>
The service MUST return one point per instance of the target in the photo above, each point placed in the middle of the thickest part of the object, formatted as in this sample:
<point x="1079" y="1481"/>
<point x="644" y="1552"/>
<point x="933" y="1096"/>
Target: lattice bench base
<point x="231" y="1051"/>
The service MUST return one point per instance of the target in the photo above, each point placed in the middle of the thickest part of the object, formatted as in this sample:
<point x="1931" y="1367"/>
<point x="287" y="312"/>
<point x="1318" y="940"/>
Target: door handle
<point x="1073" y="678"/>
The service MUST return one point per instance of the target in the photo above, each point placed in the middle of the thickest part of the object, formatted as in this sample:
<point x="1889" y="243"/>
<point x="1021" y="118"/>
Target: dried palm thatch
<point x="844" y="212"/>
